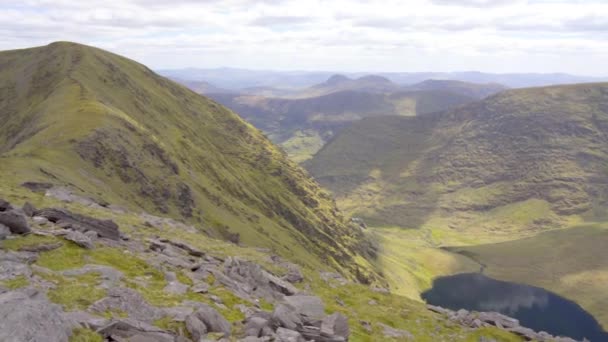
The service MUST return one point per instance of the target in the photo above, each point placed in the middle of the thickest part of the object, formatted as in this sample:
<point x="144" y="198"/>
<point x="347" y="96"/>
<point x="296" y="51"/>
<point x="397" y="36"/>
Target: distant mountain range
<point x="236" y="79"/>
<point x="302" y="125"/>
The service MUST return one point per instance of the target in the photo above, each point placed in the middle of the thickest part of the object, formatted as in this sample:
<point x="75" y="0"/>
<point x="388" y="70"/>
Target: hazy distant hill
<point x="523" y="159"/>
<point x="236" y="79"/>
<point x="475" y="90"/>
<point x="303" y="126"/>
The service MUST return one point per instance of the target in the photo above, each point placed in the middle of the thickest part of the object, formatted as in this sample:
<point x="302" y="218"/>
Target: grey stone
<point x="105" y="228"/>
<point x="195" y="327"/>
<point x="87" y="320"/>
<point x="28" y="209"/>
<point x="11" y="269"/>
<point x="255" y="326"/>
<point x="286" y="317"/>
<point x="5" y="205"/>
<point x="110" y="277"/>
<point x="334" y="325"/>
<point x="134" y="331"/>
<point x="200" y="288"/>
<point x="15" y="220"/>
<point x="310" y="308"/>
<point x="395" y="333"/>
<point x="91" y="234"/>
<point x="286" y="335"/>
<point x="37" y="186"/>
<point x="31" y="317"/>
<point x="175" y="287"/>
<point x="80" y="239"/>
<point x="4" y="231"/>
<point x="128" y="301"/>
<point x="39" y="220"/>
<point x="214" y="322"/>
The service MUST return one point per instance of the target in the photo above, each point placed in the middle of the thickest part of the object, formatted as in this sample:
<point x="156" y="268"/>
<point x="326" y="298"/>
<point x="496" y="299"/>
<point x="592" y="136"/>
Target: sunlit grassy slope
<point x="516" y="163"/>
<point x="110" y="128"/>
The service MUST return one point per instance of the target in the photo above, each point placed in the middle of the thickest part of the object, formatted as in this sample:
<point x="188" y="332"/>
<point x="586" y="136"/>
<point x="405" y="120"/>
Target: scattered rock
<point x="4" y="231"/>
<point x="335" y="325"/>
<point x="4" y="205"/>
<point x="31" y="317"/>
<point x="15" y="220"/>
<point x="175" y="287"/>
<point x="43" y="247"/>
<point x="395" y="333"/>
<point x="294" y="275"/>
<point x="195" y="327"/>
<point x="37" y="187"/>
<point x="110" y="277"/>
<point x="87" y="320"/>
<point x="367" y="326"/>
<point x="286" y="335"/>
<point x="105" y="228"/>
<point x="134" y="331"/>
<point x="257" y="327"/>
<point x="28" y="209"/>
<point x="200" y="288"/>
<point x="310" y="308"/>
<point x="249" y="279"/>
<point x="128" y="301"/>
<point x="80" y="239"/>
<point x="286" y="317"/>
<point x="212" y="320"/>
<point x="10" y="269"/>
<point x="91" y="234"/>
<point x="39" y="220"/>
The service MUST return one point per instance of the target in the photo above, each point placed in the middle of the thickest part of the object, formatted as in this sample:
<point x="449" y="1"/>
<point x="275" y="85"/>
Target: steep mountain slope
<point x="303" y="126"/>
<point x="518" y="161"/>
<point x="474" y="90"/>
<point x="111" y="129"/>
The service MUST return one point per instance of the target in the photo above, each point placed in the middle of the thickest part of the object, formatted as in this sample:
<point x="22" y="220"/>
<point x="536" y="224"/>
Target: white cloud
<point x="487" y="35"/>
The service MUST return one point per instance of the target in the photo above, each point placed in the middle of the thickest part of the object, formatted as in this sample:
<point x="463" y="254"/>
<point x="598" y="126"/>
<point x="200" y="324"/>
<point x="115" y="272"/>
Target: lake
<point x="534" y="307"/>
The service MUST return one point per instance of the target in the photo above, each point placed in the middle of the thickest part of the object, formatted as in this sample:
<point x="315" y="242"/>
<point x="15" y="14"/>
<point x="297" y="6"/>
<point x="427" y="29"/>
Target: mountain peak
<point x="337" y="79"/>
<point x="374" y="78"/>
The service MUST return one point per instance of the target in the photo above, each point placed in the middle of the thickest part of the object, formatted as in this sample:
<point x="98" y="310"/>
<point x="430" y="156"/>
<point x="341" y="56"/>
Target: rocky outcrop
<point x="485" y="319"/>
<point x="105" y="228"/>
<point x="207" y="319"/>
<point x="80" y="239"/>
<point x="128" y="301"/>
<point x="131" y="330"/>
<point x="15" y="220"/>
<point x="29" y="316"/>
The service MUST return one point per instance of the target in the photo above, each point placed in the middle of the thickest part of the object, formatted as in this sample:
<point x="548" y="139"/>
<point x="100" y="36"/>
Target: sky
<point x="340" y="35"/>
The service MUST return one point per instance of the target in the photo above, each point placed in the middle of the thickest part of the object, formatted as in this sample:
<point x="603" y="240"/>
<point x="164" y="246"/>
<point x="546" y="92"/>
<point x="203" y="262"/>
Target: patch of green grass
<point x="15" y="283"/>
<point x="67" y="257"/>
<point x="167" y="323"/>
<point x="74" y="293"/>
<point x="85" y="335"/>
<point x="30" y="240"/>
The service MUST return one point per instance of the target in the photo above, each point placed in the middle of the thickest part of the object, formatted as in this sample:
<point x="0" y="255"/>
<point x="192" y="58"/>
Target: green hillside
<point x="111" y="129"/>
<point x="302" y="126"/>
<point x="521" y="161"/>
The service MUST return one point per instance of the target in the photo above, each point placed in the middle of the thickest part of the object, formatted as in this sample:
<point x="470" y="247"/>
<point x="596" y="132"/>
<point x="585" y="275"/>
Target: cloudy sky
<point x="341" y="35"/>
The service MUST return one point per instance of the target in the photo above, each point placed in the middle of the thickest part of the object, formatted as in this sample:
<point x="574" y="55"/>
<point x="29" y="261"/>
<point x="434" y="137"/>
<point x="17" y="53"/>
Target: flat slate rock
<point x="31" y="317"/>
<point x="105" y="228"/>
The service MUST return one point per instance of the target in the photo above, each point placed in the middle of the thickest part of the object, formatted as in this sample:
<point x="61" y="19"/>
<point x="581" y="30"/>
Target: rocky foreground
<point x="273" y="307"/>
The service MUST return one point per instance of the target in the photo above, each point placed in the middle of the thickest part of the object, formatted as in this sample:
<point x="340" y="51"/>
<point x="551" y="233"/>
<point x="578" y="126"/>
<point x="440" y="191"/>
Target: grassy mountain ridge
<point x="524" y="159"/>
<point x="302" y="126"/>
<point x="112" y="129"/>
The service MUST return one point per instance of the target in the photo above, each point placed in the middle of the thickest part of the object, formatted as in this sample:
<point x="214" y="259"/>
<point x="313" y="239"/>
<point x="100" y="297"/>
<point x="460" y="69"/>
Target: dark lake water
<point x="534" y="307"/>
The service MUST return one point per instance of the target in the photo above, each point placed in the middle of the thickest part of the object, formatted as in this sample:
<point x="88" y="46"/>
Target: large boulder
<point x="31" y="317"/>
<point x="5" y="205"/>
<point x="335" y="327"/>
<point x="212" y="320"/>
<point x="15" y="220"/>
<point x="130" y="302"/>
<point x="80" y="239"/>
<point x="257" y="326"/>
<point x="286" y="335"/>
<point x="285" y="316"/>
<point x="105" y="228"/>
<point x="310" y="308"/>
<point x="134" y="331"/>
